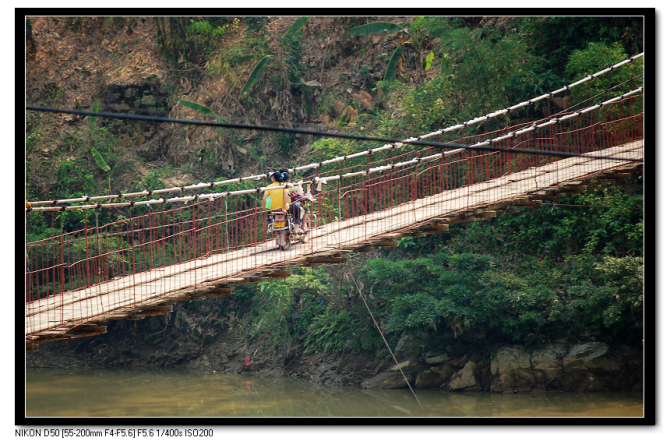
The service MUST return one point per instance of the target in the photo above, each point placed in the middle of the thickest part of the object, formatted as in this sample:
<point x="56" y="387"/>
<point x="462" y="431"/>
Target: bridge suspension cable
<point x="563" y="118"/>
<point x="484" y="145"/>
<point x="394" y="143"/>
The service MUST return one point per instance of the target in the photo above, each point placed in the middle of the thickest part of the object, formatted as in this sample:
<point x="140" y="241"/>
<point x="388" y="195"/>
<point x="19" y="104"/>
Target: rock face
<point x="465" y="379"/>
<point x="393" y="378"/>
<point x="427" y="380"/>
<point x="511" y="370"/>
<point x="438" y="359"/>
<point x="582" y="367"/>
<point x="385" y="380"/>
<point x="583" y="356"/>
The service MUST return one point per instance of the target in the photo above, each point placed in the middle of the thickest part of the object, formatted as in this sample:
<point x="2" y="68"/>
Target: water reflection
<point x="187" y="394"/>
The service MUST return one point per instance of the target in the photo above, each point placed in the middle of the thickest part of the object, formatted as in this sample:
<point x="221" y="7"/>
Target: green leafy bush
<point x="594" y="58"/>
<point x="331" y="331"/>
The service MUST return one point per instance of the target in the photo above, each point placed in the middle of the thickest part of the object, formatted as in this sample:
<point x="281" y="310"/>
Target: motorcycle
<point x="282" y="225"/>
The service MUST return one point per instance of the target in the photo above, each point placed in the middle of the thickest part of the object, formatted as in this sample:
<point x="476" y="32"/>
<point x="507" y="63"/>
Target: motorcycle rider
<point x="279" y="198"/>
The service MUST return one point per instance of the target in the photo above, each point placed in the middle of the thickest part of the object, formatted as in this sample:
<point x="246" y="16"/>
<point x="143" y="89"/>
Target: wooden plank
<point x="84" y="334"/>
<point x="416" y="234"/>
<point x="231" y="280"/>
<point x="391" y="236"/>
<point x="85" y="328"/>
<point x="496" y="207"/>
<point x="51" y="339"/>
<point x="364" y="250"/>
<point x="154" y="314"/>
<point x="156" y="310"/>
<point x="212" y="296"/>
<point x="470" y="219"/>
<point x="135" y="316"/>
<point x="528" y="204"/>
<point x="327" y="260"/>
<point x="162" y="308"/>
<point x="227" y="290"/>
<point x="387" y="244"/>
<point x="270" y="279"/>
<point x="279" y="273"/>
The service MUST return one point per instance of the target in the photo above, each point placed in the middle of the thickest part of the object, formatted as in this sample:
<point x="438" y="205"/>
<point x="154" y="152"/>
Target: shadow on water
<point x="186" y="394"/>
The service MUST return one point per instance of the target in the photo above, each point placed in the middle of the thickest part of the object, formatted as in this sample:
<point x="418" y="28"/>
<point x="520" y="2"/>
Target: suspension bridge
<point x="138" y="267"/>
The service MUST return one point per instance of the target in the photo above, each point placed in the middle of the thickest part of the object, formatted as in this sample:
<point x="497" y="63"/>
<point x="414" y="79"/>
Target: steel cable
<point x="483" y="145"/>
<point x="394" y="143"/>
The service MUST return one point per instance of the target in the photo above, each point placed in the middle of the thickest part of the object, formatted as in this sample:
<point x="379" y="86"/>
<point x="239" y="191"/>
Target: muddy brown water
<point x="65" y="393"/>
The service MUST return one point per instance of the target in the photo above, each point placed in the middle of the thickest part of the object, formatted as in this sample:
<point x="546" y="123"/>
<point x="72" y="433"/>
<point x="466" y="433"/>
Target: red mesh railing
<point x="196" y="243"/>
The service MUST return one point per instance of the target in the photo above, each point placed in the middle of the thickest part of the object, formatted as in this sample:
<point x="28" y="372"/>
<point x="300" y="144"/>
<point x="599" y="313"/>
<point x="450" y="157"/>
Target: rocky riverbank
<point x="557" y="367"/>
<point x="192" y="340"/>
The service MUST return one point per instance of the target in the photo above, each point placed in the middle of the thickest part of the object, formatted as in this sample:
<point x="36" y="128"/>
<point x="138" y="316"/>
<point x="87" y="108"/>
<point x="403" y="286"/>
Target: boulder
<point x="405" y="343"/>
<point x="427" y="380"/>
<point x="581" y="356"/>
<point x="392" y="378"/>
<point x="547" y="361"/>
<point x="439" y="359"/>
<point x="385" y="380"/>
<point x="510" y="358"/>
<point x="524" y="380"/>
<point x="506" y="382"/>
<point x="410" y="367"/>
<point x="511" y="370"/>
<point x="446" y="371"/>
<point x="458" y="362"/>
<point x="465" y="379"/>
<point x="556" y="366"/>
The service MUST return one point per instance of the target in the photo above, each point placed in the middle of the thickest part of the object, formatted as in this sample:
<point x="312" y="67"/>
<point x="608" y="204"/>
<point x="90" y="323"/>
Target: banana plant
<point x="97" y="156"/>
<point x="103" y="165"/>
<point x="93" y="118"/>
<point x="279" y="60"/>
<point x="413" y="37"/>
<point x="256" y="73"/>
<point x="206" y="110"/>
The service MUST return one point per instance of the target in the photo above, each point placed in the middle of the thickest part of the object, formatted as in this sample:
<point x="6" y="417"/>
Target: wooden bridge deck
<point x="123" y="297"/>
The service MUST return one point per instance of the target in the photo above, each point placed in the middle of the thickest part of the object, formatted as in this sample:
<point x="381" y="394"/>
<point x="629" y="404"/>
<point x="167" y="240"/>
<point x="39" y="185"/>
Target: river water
<point x="117" y="393"/>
